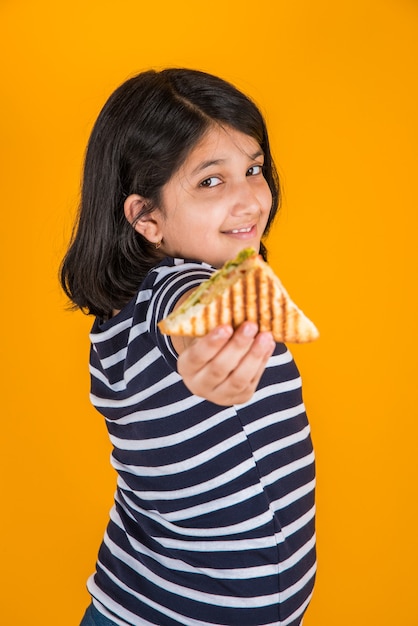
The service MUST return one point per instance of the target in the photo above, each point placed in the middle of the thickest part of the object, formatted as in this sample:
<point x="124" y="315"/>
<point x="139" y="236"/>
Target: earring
<point x="158" y="244"/>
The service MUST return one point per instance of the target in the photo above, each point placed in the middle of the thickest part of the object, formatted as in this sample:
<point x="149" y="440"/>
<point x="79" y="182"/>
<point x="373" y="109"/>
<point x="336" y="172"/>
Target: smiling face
<point x="217" y="203"/>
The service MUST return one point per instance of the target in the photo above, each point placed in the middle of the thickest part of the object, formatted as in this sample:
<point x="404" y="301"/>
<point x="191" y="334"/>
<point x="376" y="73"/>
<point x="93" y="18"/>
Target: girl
<point x="213" y="521"/>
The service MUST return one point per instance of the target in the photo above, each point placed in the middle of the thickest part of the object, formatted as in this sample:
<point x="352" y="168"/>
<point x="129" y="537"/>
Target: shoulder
<point x="169" y="281"/>
<point x="163" y="289"/>
<point x="175" y="271"/>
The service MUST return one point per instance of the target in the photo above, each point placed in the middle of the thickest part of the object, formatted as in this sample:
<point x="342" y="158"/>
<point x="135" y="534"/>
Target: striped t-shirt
<point x="213" y="521"/>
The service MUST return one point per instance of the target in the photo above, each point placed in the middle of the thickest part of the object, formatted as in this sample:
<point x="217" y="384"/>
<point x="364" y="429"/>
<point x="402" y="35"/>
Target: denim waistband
<point x="93" y="617"/>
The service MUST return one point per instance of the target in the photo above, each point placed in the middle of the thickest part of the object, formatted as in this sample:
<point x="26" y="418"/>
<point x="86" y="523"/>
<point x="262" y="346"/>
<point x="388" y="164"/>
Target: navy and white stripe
<point x="213" y="521"/>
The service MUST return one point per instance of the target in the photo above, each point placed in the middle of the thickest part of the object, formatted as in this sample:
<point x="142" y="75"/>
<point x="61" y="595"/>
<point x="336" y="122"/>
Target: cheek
<point x="266" y="198"/>
<point x="186" y="227"/>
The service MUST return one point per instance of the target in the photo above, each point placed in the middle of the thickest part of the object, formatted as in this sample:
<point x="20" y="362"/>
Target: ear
<point x="147" y="225"/>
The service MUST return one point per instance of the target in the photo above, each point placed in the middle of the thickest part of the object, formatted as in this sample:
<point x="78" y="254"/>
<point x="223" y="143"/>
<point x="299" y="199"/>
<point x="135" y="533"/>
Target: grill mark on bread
<point x="231" y="305"/>
<point x="253" y="296"/>
<point x="257" y="295"/>
<point x="244" y="296"/>
<point x="270" y="297"/>
<point x="206" y="318"/>
<point x="283" y="304"/>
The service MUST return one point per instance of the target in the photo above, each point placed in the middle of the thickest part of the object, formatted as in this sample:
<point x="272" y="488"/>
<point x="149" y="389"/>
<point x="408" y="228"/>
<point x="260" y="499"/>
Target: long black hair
<point x="142" y="136"/>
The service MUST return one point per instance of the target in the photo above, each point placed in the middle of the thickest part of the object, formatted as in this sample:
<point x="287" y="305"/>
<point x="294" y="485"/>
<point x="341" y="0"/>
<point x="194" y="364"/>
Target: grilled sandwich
<point x="245" y="288"/>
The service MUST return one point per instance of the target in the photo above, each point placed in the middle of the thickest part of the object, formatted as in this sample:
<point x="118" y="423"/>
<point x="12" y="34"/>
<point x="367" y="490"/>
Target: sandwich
<point x="245" y="288"/>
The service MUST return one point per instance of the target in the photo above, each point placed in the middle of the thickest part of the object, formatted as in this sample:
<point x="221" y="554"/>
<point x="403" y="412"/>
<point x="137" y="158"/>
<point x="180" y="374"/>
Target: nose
<point x="245" y="199"/>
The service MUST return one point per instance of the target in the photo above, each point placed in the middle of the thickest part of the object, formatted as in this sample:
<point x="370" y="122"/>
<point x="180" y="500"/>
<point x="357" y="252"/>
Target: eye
<point x="254" y="170"/>
<point x="212" y="181"/>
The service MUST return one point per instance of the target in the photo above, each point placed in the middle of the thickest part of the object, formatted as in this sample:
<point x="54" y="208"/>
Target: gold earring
<point x="158" y="244"/>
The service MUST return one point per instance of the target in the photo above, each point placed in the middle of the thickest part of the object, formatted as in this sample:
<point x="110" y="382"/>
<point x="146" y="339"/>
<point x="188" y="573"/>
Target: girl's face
<point x="218" y="202"/>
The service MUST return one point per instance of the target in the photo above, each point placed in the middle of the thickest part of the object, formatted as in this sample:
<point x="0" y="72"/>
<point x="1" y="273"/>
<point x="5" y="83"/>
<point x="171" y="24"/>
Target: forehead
<point x="221" y="143"/>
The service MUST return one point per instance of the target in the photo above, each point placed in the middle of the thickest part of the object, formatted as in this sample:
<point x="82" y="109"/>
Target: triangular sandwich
<point x="245" y="288"/>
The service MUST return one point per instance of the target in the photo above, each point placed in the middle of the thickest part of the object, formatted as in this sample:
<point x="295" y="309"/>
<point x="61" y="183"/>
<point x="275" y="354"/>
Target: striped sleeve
<point x="170" y="287"/>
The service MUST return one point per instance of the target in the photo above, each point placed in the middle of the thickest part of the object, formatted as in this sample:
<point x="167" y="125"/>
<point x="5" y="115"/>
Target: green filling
<point x="217" y="277"/>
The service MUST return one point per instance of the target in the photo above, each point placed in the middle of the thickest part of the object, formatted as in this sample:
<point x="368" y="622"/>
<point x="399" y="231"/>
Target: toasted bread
<point x="245" y="288"/>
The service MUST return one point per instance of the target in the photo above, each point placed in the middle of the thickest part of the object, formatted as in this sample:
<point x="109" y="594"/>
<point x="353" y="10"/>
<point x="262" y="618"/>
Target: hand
<point x="225" y="366"/>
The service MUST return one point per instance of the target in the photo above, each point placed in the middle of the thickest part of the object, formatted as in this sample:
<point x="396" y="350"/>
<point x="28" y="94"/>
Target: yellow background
<point x="338" y="84"/>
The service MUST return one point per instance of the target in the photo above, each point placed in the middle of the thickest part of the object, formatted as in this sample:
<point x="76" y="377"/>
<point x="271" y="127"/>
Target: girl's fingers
<point x="203" y="350"/>
<point x="225" y="368"/>
<point x="217" y="354"/>
<point x="243" y="380"/>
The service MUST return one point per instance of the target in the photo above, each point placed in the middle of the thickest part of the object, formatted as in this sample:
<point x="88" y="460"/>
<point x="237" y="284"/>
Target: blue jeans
<point x="93" y="617"/>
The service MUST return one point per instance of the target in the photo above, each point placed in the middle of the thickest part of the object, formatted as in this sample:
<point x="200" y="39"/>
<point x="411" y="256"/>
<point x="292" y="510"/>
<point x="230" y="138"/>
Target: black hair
<point x="141" y="137"/>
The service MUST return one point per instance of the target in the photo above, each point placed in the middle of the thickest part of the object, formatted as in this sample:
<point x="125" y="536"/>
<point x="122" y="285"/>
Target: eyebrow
<point x="205" y="164"/>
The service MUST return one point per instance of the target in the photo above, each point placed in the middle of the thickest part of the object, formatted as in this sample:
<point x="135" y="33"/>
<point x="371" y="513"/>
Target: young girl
<point x="213" y="521"/>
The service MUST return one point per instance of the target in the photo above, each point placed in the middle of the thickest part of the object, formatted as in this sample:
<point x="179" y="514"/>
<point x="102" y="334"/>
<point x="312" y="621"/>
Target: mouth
<point x="245" y="230"/>
<point x="241" y="230"/>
